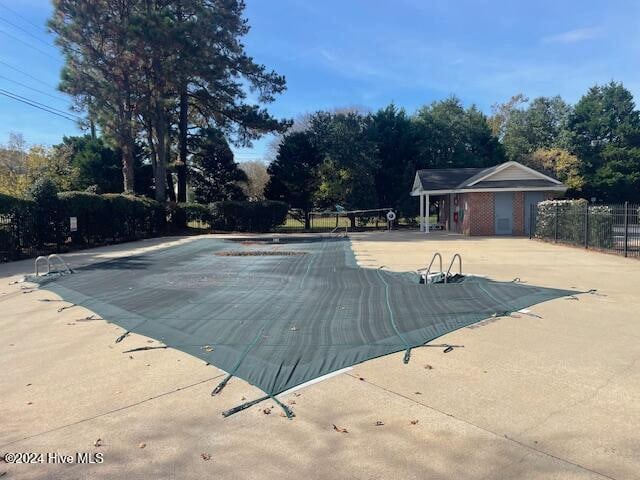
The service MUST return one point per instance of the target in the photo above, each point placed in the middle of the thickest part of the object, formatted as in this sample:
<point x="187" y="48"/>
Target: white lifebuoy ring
<point x="391" y="216"/>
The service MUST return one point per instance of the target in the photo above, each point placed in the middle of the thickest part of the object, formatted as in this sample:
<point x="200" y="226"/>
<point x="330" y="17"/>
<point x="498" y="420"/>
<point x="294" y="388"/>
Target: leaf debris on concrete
<point x="340" y="429"/>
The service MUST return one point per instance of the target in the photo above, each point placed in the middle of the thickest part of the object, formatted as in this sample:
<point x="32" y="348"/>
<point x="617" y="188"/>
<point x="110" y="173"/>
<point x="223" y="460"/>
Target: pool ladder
<point x="50" y="260"/>
<point x="446" y="275"/>
<point x="337" y="232"/>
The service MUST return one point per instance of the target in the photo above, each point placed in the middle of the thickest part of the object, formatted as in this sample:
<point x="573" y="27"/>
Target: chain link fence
<point x="612" y="228"/>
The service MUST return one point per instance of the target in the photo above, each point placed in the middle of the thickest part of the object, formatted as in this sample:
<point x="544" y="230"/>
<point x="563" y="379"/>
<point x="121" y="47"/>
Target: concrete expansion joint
<point x="495" y="434"/>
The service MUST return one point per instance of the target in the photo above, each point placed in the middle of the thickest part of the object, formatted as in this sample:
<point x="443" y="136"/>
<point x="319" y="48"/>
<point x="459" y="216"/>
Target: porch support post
<point x="421" y="218"/>
<point x="426" y="213"/>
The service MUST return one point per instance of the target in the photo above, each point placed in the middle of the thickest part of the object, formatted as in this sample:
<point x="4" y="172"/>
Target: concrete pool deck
<point x="527" y="397"/>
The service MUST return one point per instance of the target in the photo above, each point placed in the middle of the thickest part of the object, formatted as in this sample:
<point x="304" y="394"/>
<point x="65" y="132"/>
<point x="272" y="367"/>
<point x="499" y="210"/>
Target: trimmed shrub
<point x="243" y="216"/>
<point x="16" y="226"/>
<point x="91" y="211"/>
<point x="566" y="221"/>
<point x="130" y="217"/>
<point x="46" y="212"/>
<point x="196" y="212"/>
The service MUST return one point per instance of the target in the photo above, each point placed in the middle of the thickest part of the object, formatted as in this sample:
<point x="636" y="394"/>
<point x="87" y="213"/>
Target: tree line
<point x="368" y="160"/>
<point x="167" y="88"/>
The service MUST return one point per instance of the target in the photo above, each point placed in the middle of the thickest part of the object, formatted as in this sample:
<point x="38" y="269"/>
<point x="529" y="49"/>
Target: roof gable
<point x="508" y="175"/>
<point x="508" y="172"/>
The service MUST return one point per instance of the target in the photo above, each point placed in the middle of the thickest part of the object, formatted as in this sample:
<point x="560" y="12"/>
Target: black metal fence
<point x="357" y="220"/>
<point x="611" y="228"/>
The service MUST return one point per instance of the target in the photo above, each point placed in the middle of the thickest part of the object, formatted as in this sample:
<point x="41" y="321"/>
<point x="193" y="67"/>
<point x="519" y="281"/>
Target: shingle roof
<point x="446" y="178"/>
<point x="438" y="179"/>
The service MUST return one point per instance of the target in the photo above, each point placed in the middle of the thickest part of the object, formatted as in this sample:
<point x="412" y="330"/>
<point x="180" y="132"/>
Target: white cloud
<point x="574" y="36"/>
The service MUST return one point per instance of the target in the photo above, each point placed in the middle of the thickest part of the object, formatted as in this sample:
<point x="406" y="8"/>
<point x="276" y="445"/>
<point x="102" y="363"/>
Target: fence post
<point x="555" y="234"/>
<point x="626" y="227"/>
<point x="586" y="226"/>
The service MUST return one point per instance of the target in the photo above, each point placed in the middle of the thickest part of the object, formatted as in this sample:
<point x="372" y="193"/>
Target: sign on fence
<point x="73" y="224"/>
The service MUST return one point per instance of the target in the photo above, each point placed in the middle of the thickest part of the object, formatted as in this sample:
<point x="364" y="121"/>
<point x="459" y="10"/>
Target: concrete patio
<point x="526" y="397"/>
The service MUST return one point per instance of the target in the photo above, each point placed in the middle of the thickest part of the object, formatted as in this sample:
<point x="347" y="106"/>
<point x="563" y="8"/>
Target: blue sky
<point x="369" y="53"/>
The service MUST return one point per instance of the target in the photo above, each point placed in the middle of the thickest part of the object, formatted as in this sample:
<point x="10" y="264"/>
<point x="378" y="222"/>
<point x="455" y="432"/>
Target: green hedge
<point x="566" y="221"/>
<point x="243" y="216"/>
<point x="42" y="225"/>
<point x="16" y="226"/>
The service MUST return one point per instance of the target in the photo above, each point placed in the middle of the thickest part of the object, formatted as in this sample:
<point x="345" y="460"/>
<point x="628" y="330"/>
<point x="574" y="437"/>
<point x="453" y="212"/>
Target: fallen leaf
<point x="379" y="423"/>
<point x="266" y="411"/>
<point x="149" y="341"/>
<point x="295" y="394"/>
<point x="291" y="402"/>
<point x="97" y="443"/>
<point x="414" y="422"/>
<point x="142" y="445"/>
<point x="28" y="384"/>
<point x="131" y="357"/>
<point x="361" y="379"/>
<point x="205" y="456"/>
<point x="29" y="403"/>
<point x="340" y="429"/>
<point x="428" y="367"/>
<point x="418" y="393"/>
<point x="243" y="399"/>
<point x="207" y="348"/>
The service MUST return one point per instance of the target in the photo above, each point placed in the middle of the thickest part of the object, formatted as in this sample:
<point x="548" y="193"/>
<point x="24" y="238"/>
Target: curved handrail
<point x="36" y="266"/>
<point x="426" y="275"/>
<point x="57" y="258"/>
<point x="451" y="265"/>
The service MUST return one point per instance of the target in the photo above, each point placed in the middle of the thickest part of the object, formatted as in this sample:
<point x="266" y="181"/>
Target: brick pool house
<point x="483" y="201"/>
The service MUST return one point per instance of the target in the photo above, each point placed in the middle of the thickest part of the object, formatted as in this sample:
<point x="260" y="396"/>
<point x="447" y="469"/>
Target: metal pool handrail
<point x="49" y="260"/>
<point x="428" y="270"/>
<point x="45" y="259"/>
<point x="57" y="258"/>
<point x="451" y="265"/>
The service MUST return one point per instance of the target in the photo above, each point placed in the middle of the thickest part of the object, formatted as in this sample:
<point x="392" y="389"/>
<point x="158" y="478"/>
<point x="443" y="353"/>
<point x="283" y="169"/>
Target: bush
<point x="130" y="217"/>
<point x="565" y="221"/>
<point x="46" y="212"/>
<point x="246" y="216"/>
<point x="16" y="226"/>
<point x="91" y="211"/>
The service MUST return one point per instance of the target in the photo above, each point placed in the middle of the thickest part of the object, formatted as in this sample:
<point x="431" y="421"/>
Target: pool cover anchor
<point x="142" y="349"/>
<point x="123" y="336"/>
<point x="287" y="411"/>
<point x="221" y="385"/>
<point x="447" y="347"/>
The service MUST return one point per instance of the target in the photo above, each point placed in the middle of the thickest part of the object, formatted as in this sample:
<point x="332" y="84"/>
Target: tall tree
<point x="102" y="67"/>
<point x="450" y="136"/>
<point x="215" y="174"/>
<point x="605" y="135"/>
<point x="97" y="165"/>
<point x="214" y="72"/>
<point x="294" y="173"/>
<point x="542" y="125"/>
<point x="395" y="138"/>
<point x="501" y="114"/>
<point x="349" y="160"/>
<point x="160" y="69"/>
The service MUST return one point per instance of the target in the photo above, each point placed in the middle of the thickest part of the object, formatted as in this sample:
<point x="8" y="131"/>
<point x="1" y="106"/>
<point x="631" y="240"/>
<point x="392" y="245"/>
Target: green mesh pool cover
<point x="278" y="315"/>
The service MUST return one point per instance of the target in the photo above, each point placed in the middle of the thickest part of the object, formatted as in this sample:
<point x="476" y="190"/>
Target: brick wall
<point x="479" y="213"/>
<point x="518" y="213"/>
